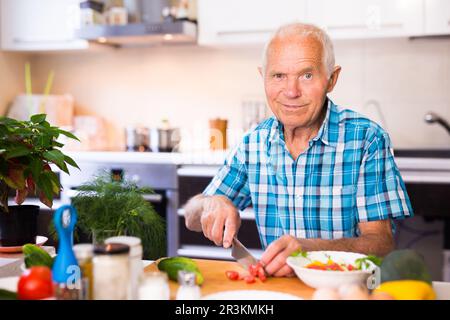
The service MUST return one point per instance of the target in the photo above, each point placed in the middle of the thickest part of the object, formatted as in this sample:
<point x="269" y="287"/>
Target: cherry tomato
<point x="253" y="269"/>
<point x="232" y="275"/>
<point x="262" y="274"/>
<point x="35" y="283"/>
<point x="249" y="279"/>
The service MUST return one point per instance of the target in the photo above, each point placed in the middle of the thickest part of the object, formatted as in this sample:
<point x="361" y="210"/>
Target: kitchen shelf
<point x="209" y="252"/>
<point x="247" y="214"/>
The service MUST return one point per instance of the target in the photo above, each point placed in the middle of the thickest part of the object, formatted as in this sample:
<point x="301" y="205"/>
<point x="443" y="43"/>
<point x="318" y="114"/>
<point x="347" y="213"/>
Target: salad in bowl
<point x="333" y="269"/>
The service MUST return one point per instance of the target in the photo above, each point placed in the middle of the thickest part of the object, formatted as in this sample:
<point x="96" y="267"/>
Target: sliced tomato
<point x="262" y="274"/>
<point x="232" y="275"/>
<point x="249" y="279"/>
<point x="253" y="269"/>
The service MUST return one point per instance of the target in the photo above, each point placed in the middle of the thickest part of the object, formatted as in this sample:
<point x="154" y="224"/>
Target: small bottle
<point x="136" y="266"/>
<point x="111" y="271"/>
<point x="188" y="290"/>
<point x="154" y="286"/>
<point x="84" y="253"/>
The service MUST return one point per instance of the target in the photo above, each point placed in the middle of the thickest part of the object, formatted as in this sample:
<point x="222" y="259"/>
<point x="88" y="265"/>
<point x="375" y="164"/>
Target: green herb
<point x="27" y="148"/>
<point x="299" y="252"/>
<point x="359" y="263"/>
<point x="104" y="204"/>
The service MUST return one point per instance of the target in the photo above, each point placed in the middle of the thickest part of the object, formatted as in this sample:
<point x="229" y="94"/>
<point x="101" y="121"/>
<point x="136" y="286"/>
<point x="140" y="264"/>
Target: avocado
<point x="404" y="265"/>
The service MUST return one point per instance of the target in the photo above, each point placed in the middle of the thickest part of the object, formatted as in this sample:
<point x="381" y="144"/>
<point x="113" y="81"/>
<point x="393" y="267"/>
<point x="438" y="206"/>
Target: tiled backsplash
<point x="191" y="84"/>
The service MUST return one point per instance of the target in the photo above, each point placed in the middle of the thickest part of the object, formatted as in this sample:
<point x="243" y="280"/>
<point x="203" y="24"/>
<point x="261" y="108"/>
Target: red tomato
<point x="232" y="275"/>
<point x="35" y="283"/>
<point x="249" y="279"/>
<point x="253" y="269"/>
<point x="261" y="274"/>
<point x="350" y="267"/>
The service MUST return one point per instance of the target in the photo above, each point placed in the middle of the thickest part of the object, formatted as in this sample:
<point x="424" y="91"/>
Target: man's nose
<point x="292" y="89"/>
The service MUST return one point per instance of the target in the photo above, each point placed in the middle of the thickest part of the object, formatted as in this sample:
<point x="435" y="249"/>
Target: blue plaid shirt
<point x="346" y="176"/>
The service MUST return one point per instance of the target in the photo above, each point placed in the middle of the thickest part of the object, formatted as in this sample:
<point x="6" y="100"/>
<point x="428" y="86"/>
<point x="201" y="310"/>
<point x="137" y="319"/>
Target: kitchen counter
<point x="213" y="272"/>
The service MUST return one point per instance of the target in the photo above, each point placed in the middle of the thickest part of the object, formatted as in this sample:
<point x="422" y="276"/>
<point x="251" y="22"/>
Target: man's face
<point x="296" y="81"/>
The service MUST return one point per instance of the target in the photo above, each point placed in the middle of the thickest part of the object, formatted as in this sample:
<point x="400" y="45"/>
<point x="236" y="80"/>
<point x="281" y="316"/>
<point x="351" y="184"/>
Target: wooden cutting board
<point x="215" y="280"/>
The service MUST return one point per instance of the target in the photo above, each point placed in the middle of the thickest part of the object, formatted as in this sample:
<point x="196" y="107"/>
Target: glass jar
<point x="188" y="289"/>
<point x="154" y="286"/>
<point x="84" y="253"/>
<point x="111" y="271"/>
<point x="136" y="265"/>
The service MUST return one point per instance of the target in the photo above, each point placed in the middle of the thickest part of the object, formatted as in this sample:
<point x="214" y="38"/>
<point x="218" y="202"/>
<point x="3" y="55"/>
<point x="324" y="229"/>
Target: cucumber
<point x="36" y="256"/>
<point x="7" y="295"/>
<point x="174" y="264"/>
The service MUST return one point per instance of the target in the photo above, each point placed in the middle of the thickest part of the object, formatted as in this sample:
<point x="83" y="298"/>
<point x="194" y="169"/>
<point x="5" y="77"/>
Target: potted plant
<point x="27" y="149"/>
<point x="119" y="208"/>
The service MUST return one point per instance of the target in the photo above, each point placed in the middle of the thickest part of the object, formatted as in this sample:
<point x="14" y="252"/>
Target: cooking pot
<point x="165" y="139"/>
<point x="138" y="139"/>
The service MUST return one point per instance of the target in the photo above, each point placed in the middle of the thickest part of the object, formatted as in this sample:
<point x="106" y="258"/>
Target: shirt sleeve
<point x="381" y="192"/>
<point x="232" y="179"/>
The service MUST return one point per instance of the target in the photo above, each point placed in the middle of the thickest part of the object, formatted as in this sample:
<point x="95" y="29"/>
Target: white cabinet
<point x="245" y="21"/>
<point x="367" y="18"/>
<point x="437" y="17"/>
<point x="30" y="25"/>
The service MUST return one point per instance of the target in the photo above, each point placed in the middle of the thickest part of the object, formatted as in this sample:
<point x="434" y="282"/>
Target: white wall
<point x="189" y="85"/>
<point x="12" y="70"/>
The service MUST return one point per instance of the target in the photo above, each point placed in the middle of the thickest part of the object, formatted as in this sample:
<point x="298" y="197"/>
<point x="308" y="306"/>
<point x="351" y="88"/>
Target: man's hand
<point x="274" y="258"/>
<point x="216" y="216"/>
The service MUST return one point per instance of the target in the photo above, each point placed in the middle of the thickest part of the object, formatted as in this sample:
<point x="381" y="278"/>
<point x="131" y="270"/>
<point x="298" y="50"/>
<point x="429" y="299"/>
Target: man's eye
<point x="308" y="76"/>
<point x="278" y="76"/>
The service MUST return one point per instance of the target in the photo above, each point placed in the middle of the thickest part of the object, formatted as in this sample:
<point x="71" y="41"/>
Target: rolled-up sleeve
<point x="232" y="180"/>
<point x="381" y="192"/>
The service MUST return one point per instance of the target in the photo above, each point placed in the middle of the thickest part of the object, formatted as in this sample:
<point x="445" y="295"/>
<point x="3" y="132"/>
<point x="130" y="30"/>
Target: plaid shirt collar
<point x="327" y="132"/>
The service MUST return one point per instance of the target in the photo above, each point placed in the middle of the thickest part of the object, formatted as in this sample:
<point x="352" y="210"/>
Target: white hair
<point x="304" y="30"/>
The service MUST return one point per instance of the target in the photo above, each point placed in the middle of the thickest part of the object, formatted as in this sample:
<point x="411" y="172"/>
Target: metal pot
<point x="137" y="139"/>
<point x="165" y="140"/>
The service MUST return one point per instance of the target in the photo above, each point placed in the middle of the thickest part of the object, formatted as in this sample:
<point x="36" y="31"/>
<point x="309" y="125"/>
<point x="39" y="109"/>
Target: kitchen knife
<point x="241" y="254"/>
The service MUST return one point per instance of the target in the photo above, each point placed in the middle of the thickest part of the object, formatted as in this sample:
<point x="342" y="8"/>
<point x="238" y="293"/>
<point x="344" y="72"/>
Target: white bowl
<point x="330" y="279"/>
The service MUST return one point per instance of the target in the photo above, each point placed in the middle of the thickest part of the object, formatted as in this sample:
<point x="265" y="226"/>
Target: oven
<point x="160" y="177"/>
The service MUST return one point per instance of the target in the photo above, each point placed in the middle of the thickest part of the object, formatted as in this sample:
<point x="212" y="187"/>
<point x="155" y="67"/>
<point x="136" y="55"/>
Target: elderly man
<point x="319" y="177"/>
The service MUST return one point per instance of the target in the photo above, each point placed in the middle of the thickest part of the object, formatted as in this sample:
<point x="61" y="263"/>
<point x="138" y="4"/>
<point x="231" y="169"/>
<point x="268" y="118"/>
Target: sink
<point x="422" y="153"/>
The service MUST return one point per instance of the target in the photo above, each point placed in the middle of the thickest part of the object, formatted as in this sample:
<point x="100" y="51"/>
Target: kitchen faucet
<point x="432" y="117"/>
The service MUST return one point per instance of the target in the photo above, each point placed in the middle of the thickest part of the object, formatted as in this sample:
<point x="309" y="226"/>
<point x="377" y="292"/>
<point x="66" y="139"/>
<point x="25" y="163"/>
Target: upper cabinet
<point x="367" y="18"/>
<point x="252" y="21"/>
<point x="244" y="22"/>
<point x="437" y="17"/>
<point x="44" y="25"/>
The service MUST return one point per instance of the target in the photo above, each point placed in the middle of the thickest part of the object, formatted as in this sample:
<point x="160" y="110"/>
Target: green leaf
<point x="45" y="184"/>
<point x="18" y="151"/>
<point x="70" y="161"/>
<point x="68" y="134"/>
<point x="56" y="157"/>
<point x="38" y="118"/>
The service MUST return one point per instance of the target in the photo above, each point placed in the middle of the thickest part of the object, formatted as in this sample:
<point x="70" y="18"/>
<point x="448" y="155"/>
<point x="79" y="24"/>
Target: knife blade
<point x="241" y="254"/>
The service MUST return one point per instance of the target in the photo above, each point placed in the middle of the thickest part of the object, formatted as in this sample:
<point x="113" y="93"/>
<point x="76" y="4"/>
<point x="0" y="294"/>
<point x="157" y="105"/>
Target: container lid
<point x="111" y="249"/>
<point x="133" y="242"/>
<point x="83" y="250"/>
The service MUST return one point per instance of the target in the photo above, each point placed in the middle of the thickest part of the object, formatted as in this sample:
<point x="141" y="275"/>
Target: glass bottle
<point x="111" y="271"/>
<point x="188" y="289"/>
<point x="84" y="253"/>
<point x="154" y="286"/>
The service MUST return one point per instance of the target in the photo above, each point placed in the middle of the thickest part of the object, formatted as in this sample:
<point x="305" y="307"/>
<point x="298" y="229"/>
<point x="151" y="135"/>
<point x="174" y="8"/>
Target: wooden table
<point x="215" y="280"/>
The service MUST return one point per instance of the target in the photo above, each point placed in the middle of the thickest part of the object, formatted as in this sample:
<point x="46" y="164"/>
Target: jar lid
<point x="111" y="248"/>
<point x="83" y="250"/>
<point x="133" y="242"/>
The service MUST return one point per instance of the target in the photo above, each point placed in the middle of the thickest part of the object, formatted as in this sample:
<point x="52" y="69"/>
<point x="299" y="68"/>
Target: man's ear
<point x="333" y="78"/>
<point x="260" y="71"/>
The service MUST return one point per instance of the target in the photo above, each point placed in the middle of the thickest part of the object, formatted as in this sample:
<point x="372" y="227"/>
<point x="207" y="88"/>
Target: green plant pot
<point x="19" y="225"/>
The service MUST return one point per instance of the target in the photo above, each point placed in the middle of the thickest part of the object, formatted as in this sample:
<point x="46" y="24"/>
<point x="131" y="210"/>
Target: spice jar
<point x="188" y="289"/>
<point x="111" y="271"/>
<point x="218" y="134"/>
<point x="84" y="253"/>
<point x="154" y="286"/>
<point x="136" y="266"/>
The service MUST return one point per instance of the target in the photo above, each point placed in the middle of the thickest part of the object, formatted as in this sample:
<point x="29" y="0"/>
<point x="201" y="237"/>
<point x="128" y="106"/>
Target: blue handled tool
<point x="65" y="268"/>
